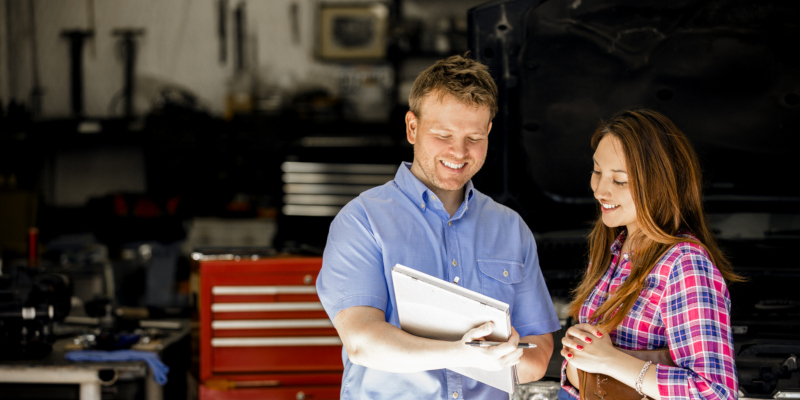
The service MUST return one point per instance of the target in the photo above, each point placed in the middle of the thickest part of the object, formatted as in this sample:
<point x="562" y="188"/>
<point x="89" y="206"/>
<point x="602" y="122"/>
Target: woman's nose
<point x="600" y="188"/>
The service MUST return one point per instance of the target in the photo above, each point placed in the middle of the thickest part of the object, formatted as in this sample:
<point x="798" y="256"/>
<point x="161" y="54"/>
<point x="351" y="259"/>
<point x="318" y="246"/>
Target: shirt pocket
<point x="499" y="278"/>
<point x="645" y="309"/>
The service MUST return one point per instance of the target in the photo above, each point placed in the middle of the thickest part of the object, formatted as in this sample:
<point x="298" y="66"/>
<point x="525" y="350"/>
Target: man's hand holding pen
<point x="490" y="358"/>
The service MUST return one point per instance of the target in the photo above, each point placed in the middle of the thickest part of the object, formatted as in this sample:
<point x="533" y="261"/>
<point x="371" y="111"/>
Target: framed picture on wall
<point x="352" y="31"/>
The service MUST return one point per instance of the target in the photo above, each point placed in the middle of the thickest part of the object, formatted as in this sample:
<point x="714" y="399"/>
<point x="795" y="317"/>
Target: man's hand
<point x="490" y="358"/>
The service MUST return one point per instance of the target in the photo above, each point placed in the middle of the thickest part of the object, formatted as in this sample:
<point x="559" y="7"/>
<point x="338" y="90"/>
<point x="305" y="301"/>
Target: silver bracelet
<point x="641" y="378"/>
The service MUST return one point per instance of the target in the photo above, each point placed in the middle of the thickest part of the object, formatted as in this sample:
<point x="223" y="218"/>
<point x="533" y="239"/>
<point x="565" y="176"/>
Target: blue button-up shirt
<point x="484" y="246"/>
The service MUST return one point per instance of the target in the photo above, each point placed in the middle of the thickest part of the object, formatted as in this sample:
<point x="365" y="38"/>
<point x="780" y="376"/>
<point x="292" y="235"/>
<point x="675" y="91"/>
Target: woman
<point x="656" y="278"/>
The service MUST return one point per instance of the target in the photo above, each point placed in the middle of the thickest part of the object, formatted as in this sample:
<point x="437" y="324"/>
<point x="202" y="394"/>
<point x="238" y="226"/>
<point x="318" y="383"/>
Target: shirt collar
<point x="616" y="247"/>
<point x="415" y="190"/>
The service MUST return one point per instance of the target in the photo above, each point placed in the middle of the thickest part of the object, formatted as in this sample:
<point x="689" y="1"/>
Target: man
<point x="430" y="218"/>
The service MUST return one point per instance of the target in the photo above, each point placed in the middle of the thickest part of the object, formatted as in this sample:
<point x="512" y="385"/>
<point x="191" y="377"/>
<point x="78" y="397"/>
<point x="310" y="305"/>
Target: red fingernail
<point x="569" y="355"/>
<point x="599" y="334"/>
<point x="588" y="340"/>
<point x="579" y="347"/>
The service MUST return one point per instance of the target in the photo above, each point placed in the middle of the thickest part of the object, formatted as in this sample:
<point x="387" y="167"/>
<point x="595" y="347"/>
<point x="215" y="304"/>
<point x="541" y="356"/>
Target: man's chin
<point x="451" y="186"/>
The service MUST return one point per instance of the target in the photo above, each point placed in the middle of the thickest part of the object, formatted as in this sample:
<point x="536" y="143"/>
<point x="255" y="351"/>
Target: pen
<point x="483" y="343"/>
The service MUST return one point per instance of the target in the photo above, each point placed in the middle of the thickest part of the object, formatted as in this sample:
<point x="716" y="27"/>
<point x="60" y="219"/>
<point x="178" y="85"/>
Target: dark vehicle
<point x="727" y="72"/>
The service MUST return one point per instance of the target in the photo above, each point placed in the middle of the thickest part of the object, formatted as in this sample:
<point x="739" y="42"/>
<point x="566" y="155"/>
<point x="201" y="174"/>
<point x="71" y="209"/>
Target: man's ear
<point x="412" y="123"/>
<point x="490" y="127"/>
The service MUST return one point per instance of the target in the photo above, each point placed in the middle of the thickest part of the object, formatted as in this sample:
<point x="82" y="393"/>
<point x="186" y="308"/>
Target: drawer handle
<point x="246" y="307"/>
<point x="277" y="341"/>
<point x="272" y="324"/>
<point x="268" y="290"/>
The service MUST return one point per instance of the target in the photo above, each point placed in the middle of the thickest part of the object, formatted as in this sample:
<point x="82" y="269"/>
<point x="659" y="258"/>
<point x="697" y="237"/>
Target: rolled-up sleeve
<point x="352" y="266"/>
<point x="695" y="309"/>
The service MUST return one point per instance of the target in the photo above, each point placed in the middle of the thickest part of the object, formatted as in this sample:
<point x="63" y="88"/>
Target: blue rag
<point x="159" y="368"/>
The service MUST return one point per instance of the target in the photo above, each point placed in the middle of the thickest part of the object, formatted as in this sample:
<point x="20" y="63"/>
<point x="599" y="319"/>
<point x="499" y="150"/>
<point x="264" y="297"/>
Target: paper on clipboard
<point x="435" y="309"/>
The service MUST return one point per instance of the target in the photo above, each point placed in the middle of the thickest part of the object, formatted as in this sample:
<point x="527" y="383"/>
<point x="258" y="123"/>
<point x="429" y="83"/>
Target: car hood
<point x="724" y="71"/>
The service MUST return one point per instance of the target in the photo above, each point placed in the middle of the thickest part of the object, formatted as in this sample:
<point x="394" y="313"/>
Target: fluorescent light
<point x="310" y="211"/>
<point x="291" y="166"/>
<point x="311" y="188"/>
<point x="362" y="179"/>
<point x="317" y="199"/>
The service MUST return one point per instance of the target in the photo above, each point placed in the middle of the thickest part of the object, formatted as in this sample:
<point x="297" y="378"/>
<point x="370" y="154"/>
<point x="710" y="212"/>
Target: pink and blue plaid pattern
<point x="684" y="305"/>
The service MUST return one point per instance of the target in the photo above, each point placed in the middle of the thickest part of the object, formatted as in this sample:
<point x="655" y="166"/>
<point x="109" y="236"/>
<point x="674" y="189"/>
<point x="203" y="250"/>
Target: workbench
<point x="89" y="376"/>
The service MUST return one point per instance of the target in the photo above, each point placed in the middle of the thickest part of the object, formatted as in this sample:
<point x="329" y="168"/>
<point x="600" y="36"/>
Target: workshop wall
<point x="176" y="148"/>
<point x="180" y="46"/>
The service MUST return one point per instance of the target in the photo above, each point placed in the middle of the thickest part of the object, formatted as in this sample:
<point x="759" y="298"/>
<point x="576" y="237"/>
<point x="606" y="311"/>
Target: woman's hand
<point x="588" y="349"/>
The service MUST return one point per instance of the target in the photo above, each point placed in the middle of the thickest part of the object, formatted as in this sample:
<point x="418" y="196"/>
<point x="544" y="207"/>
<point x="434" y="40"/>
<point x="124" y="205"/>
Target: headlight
<point x="784" y="395"/>
<point x="787" y="395"/>
<point x="537" y="391"/>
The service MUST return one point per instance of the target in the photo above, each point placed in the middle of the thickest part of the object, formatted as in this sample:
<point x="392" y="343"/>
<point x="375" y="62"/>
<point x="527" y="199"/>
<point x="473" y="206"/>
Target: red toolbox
<point x="263" y="331"/>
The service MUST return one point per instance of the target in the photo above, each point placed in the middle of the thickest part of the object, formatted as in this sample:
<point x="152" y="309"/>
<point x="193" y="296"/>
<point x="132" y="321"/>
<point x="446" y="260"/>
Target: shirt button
<point x="625" y="256"/>
<point x="449" y="223"/>
<point x="455" y="395"/>
<point x="505" y="272"/>
<point x="455" y="281"/>
<point x="454" y="263"/>
<point x="422" y="205"/>
<point x="433" y="197"/>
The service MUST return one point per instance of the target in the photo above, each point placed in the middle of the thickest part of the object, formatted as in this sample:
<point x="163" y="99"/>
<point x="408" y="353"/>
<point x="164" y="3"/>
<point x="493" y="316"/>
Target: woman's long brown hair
<point x="666" y="185"/>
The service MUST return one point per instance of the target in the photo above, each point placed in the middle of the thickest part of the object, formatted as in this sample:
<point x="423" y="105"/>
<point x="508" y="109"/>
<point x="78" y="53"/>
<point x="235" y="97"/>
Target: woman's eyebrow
<point x="613" y="170"/>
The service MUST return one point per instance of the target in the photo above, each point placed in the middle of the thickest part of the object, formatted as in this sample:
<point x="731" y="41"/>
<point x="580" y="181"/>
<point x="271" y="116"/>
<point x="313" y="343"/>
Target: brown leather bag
<point x="603" y="387"/>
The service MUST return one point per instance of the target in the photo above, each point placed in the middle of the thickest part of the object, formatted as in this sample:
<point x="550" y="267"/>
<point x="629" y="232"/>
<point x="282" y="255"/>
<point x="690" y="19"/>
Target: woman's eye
<point x="595" y="172"/>
<point x="620" y="183"/>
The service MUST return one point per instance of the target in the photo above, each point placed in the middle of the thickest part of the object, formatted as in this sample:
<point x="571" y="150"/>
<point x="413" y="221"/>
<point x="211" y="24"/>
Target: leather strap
<point x="604" y="387"/>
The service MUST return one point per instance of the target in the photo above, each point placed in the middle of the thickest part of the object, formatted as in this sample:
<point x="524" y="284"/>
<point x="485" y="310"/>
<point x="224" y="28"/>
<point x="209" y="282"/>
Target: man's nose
<point x="459" y="148"/>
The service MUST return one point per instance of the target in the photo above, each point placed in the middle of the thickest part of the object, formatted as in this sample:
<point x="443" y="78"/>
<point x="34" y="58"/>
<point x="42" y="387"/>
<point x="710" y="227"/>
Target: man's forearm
<point x="385" y="347"/>
<point x="372" y="342"/>
<point x="533" y="363"/>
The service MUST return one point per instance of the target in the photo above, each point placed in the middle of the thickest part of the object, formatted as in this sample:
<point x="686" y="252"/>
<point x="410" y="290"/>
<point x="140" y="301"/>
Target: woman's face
<point x="610" y="185"/>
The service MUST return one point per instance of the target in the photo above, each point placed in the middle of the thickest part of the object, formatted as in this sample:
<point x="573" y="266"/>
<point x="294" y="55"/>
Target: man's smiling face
<point x="450" y="141"/>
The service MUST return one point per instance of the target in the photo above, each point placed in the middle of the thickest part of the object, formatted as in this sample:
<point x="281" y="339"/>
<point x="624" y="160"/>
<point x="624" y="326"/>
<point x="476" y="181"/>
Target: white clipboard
<point x="435" y="309"/>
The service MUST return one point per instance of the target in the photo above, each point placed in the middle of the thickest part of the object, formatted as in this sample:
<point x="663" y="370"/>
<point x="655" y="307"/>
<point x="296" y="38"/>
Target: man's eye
<point x="475" y="140"/>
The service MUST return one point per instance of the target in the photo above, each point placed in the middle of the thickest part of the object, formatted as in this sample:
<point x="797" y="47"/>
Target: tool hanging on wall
<point x="36" y="90"/>
<point x="127" y="46"/>
<point x="222" y="31"/>
<point x="76" y="38"/>
<point x="239" y="21"/>
<point x="294" y="17"/>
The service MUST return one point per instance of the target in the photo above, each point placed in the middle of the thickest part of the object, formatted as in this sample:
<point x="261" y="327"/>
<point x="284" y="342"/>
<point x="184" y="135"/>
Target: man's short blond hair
<point x="465" y="79"/>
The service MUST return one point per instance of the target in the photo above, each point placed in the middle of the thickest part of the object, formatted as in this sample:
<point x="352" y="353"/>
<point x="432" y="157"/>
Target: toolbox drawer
<point x="277" y="393"/>
<point x="261" y="316"/>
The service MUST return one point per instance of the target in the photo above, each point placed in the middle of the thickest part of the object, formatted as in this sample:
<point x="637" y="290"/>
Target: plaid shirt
<point x="684" y="305"/>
